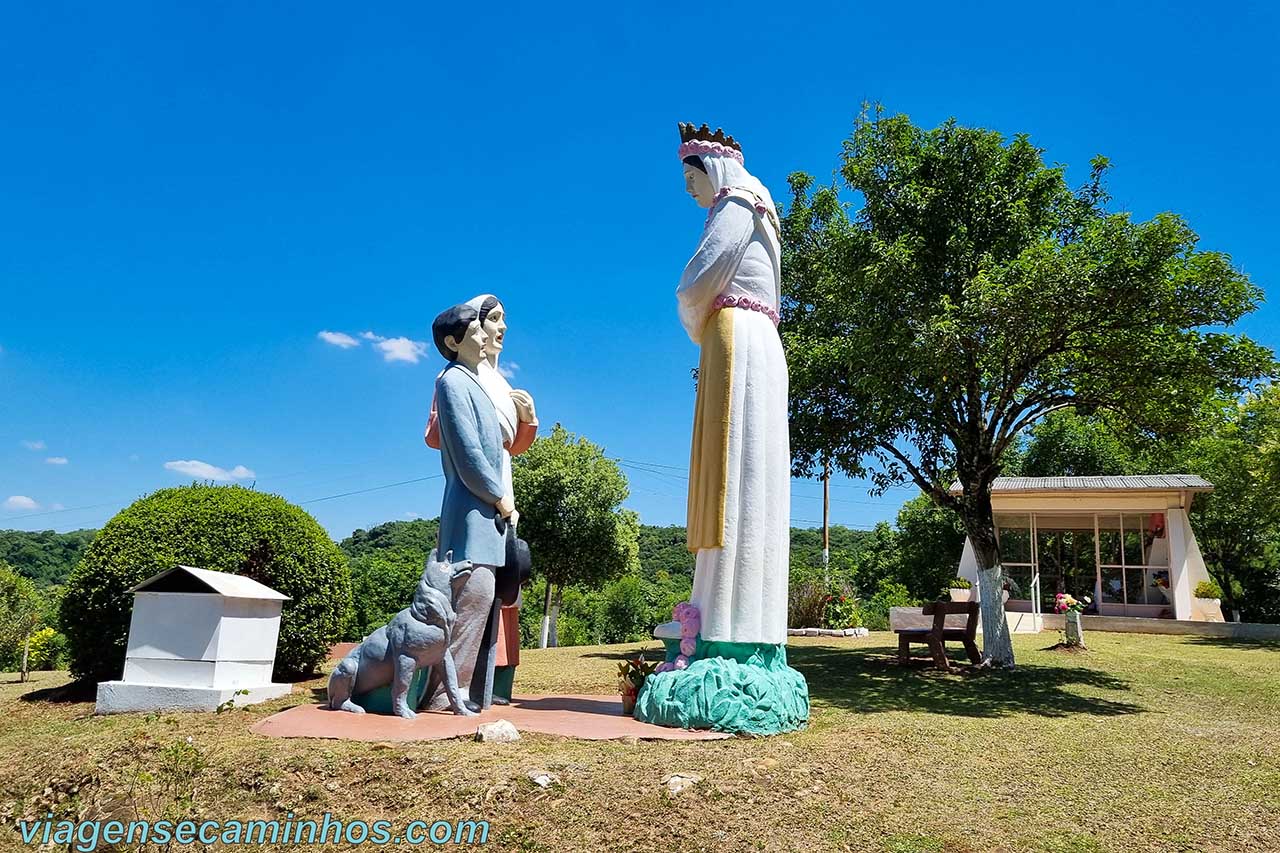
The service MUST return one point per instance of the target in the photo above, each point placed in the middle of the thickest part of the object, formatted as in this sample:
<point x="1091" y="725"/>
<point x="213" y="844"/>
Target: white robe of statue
<point x="741" y="587"/>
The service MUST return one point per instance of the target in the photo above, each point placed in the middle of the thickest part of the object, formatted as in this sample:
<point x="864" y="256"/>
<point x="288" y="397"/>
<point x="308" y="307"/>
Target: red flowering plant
<point x="840" y="610"/>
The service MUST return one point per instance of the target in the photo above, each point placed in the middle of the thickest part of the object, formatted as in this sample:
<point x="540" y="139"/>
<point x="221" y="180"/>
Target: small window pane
<point x="1135" y="528"/>
<point x="1112" y="586"/>
<point x="1135" y="585"/>
<point x="1014" y="535"/>
<point x="1157" y="541"/>
<point x="1019" y="580"/>
<point x="1109" y="539"/>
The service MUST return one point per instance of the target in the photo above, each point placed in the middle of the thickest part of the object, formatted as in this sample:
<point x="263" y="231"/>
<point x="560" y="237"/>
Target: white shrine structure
<point x="197" y="638"/>
<point x="1124" y="541"/>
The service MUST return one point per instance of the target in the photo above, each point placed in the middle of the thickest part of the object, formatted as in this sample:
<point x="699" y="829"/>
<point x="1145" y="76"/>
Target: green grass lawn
<point x="1141" y="743"/>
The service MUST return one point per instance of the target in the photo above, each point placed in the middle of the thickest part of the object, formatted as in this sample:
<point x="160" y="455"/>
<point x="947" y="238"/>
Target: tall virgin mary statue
<point x="726" y="665"/>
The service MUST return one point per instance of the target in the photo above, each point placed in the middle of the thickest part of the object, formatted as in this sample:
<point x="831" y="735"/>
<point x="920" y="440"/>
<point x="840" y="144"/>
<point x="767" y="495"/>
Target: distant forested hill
<point x="44" y="556"/>
<point x="662" y="549"/>
<point x="419" y="535"/>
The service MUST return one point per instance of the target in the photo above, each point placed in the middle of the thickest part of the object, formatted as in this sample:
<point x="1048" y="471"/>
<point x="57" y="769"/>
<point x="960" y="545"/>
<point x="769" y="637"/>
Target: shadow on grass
<point x="871" y="679"/>
<point x="1234" y="642"/>
<point x="75" y="691"/>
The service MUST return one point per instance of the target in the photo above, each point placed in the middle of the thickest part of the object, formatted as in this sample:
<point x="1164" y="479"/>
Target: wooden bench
<point x="936" y="635"/>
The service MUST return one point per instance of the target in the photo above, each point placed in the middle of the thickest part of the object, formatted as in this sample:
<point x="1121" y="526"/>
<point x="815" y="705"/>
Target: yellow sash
<point x="709" y="457"/>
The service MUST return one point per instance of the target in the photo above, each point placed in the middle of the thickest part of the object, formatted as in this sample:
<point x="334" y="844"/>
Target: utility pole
<point x="826" y="520"/>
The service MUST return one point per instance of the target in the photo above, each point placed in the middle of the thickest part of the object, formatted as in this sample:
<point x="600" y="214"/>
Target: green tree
<point x="1068" y="444"/>
<point x="383" y="581"/>
<point x="975" y="293"/>
<point x="222" y="528"/>
<point x="1238" y="524"/>
<point x="20" y="617"/>
<point x="570" y="496"/>
<point x="930" y="541"/>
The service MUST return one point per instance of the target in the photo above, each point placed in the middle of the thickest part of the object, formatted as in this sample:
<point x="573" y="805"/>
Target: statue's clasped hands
<point x="524" y="405"/>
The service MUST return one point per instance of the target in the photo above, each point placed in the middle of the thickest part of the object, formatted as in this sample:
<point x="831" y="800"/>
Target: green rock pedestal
<point x="743" y="688"/>
<point x="378" y="700"/>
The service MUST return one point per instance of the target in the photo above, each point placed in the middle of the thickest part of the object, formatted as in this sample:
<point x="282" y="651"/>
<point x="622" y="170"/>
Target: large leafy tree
<point x="569" y="495"/>
<point x="930" y="541"/>
<point x="1238" y="525"/>
<point x="974" y="293"/>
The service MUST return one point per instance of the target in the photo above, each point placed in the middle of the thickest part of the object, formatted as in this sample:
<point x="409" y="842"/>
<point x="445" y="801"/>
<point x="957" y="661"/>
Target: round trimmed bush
<point x="222" y="528"/>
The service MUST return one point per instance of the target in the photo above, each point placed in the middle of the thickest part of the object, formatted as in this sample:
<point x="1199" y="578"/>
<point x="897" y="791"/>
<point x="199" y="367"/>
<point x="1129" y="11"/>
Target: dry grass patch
<point x="1143" y="743"/>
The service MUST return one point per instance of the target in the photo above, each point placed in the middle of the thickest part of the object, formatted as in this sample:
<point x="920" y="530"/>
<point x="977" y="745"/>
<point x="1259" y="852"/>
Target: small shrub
<point x="1208" y="589"/>
<point x="841" y="610"/>
<point x="807" y="604"/>
<point x="889" y="594"/>
<point x="46" y="650"/>
<point x="960" y="583"/>
<point x="223" y="528"/>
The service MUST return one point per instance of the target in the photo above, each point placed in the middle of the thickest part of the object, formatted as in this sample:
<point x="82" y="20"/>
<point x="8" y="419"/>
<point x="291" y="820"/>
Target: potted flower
<point x="631" y="676"/>
<point x="1208" y="597"/>
<point x="1160" y="580"/>
<point x="961" y="589"/>
<point x="1072" y="607"/>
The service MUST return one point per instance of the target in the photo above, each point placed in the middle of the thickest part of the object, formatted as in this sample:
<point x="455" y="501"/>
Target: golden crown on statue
<point x="701" y="140"/>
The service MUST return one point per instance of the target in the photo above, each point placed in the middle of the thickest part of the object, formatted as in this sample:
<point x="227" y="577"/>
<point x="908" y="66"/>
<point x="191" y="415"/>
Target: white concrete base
<point x="124" y="697"/>
<point x="1139" y="625"/>
<point x="1020" y="623"/>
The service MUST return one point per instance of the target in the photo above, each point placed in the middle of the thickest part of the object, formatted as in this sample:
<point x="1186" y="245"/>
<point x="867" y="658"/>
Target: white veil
<point x="495" y="385"/>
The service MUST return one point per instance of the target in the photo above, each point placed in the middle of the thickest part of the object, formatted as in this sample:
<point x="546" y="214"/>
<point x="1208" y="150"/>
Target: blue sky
<point x="189" y="196"/>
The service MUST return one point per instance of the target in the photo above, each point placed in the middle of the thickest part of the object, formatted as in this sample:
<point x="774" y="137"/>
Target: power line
<point x="645" y="467"/>
<point x="371" y="489"/>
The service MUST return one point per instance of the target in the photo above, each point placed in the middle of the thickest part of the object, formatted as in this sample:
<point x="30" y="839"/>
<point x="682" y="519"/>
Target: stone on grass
<point x="677" y="783"/>
<point x="499" y="731"/>
<point x="543" y="779"/>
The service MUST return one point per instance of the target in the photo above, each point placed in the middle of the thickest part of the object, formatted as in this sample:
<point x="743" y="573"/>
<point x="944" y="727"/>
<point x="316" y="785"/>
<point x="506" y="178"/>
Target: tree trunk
<point x="997" y="645"/>
<point x="546" y="618"/>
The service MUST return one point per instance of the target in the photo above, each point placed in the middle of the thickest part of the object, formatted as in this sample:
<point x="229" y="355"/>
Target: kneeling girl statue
<point x="726" y="665"/>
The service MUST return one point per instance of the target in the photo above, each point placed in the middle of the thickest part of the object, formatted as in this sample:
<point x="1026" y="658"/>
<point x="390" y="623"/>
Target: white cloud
<point x="205" y="471"/>
<point x="56" y="460"/>
<point x="401" y="349"/>
<point x="509" y="369"/>
<point x="412" y="516"/>
<point x="370" y="336"/>
<point x="338" y="339"/>
<point x="38" y="444"/>
<point x="18" y="502"/>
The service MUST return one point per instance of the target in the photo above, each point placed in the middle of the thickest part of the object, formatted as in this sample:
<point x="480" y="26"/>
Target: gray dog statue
<point x="416" y="637"/>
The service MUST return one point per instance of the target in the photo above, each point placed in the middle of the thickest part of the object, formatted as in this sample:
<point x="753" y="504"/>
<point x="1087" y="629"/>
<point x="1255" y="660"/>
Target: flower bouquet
<point x="1072" y="607"/>
<point x="631" y="676"/>
<point x="1064" y="603"/>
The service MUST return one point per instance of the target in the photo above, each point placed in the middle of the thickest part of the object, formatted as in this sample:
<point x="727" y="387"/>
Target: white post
<point x="1176" y="528"/>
